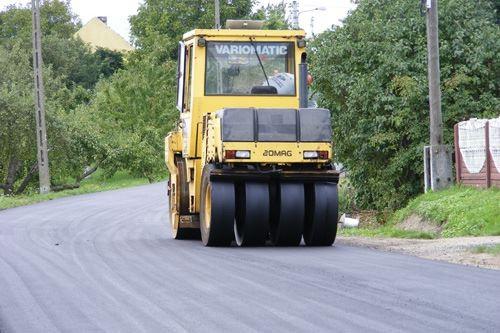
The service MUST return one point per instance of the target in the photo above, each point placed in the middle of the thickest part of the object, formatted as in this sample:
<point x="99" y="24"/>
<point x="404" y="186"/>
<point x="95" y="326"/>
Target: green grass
<point x="387" y="231"/>
<point x="96" y="183"/>
<point x="460" y="210"/>
<point x="491" y="249"/>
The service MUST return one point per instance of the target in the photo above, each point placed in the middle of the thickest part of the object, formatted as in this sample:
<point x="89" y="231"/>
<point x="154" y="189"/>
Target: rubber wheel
<point x="321" y="214"/>
<point x="181" y="201"/>
<point x="251" y="226"/>
<point x="287" y="222"/>
<point x="217" y="210"/>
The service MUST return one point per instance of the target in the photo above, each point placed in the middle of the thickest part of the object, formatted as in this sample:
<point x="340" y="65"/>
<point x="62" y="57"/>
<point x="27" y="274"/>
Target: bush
<point x="372" y="74"/>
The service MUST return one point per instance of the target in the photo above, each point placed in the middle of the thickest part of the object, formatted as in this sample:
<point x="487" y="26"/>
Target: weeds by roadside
<point x="491" y="249"/>
<point x="457" y="211"/>
<point x="96" y="183"/>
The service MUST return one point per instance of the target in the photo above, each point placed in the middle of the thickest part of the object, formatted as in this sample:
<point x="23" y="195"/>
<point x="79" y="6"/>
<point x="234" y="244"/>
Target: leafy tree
<point x="17" y="123"/>
<point x="159" y="24"/>
<point x="110" y="61"/>
<point x="70" y="69"/>
<point x="274" y="16"/>
<point x="69" y="57"/>
<point x="372" y="74"/>
<point x="137" y="106"/>
<point x="56" y="18"/>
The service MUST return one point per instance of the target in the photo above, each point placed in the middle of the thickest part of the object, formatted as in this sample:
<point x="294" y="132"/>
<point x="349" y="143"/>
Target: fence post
<point x="458" y="157"/>
<point x="488" y="159"/>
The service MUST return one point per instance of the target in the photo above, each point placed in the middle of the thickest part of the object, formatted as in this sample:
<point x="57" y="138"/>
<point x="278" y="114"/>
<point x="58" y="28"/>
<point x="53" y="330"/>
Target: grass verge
<point x="491" y="249"/>
<point x="458" y="211"/>
<point x="96" y="183"/>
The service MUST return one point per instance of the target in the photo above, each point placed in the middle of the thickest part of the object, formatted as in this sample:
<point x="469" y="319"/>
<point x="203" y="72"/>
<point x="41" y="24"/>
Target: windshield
<point x="233" y="68"/>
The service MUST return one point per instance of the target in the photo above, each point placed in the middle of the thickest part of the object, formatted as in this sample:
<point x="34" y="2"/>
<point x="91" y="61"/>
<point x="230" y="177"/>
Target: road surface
<point x="105" y="262"/>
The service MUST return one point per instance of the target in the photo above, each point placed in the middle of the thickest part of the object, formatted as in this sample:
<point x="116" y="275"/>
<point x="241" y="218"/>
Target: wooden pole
<point x="217" y="14"/>
<point x="41" y="132"/>
<point x="441" y="176"/>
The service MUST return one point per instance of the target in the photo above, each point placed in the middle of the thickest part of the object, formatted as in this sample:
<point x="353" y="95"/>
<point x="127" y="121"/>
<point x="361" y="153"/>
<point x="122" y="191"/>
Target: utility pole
<point x="438" y="161"/>
<point x="41" y="132"/>
<point x="217" y="14"/>
<point x="295" y="14"/>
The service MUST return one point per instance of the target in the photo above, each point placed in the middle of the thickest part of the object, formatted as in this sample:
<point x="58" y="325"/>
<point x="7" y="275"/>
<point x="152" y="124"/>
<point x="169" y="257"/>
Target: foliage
<point x="69" y="71"/>
<point x="274" y="16"/>
<point x="372" y="74"/>
<point x="462" y="211"/>
<point x="69" y="57"/>
<point x="55" y="17"/>
<point x="137" y="105"/>
<point x="159" y="24"/>
<point x="459" y="211"/>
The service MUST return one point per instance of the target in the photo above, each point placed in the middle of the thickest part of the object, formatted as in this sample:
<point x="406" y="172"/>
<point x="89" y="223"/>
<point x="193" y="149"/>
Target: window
<point x="189" y="78"/>
<point x="250" y="68"/>
<point x="181" y="67"/>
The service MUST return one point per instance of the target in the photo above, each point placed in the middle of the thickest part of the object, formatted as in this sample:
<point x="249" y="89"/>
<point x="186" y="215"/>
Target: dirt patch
<point x="368" y="219"/>
<point x="418" y="223"/>
<point x="457" y="250"/>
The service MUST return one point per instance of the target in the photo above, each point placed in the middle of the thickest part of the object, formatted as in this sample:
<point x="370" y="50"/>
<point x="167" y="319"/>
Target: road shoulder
<point x="459" y="250"/>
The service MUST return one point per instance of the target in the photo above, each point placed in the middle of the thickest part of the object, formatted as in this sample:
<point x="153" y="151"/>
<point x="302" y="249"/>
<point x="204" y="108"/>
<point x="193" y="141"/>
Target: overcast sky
<point x="118" y="12"/>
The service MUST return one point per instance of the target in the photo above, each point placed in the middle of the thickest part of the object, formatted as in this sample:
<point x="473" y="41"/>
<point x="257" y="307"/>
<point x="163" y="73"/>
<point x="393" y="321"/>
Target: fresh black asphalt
<point x="105" y="262"/>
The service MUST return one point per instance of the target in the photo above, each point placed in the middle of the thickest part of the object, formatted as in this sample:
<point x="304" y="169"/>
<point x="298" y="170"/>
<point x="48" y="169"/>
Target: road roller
<point x="250" y="162"/>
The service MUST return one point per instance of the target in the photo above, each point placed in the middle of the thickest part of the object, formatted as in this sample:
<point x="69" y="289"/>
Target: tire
<point x="251" y="226"/>
<point x="217" y="210"/>
<point x="321" y="216"/>
<point x="287" y="222"/>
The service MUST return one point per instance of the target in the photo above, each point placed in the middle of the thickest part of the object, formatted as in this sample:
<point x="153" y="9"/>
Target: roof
<point x="243" y="33"/>
<point x="98" y="34"/>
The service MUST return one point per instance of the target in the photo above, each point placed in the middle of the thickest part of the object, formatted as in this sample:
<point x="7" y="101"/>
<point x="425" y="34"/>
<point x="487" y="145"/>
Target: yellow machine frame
<point x="198" y="114"/>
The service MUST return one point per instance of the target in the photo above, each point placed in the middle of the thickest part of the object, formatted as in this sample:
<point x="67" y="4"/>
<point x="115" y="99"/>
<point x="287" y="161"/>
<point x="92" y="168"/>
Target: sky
<point x="118" y="12"/>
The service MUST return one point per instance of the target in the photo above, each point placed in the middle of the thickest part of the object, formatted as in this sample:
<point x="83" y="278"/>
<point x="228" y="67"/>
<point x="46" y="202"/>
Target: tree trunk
<point x="33" y="170"/>
<point x="14" y="166"/>
<point x="58" y="188"/>
<point x="86" y="174"/>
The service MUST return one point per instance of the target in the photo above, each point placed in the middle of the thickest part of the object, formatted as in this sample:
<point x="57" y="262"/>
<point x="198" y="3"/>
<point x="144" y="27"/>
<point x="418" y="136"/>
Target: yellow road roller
<point x="249" y="162"/>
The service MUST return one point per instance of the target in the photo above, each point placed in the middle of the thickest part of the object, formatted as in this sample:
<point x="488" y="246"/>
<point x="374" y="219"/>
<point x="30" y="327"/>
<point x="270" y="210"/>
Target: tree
<point x="137" y="106"/>
<point x="17" y="119"/>
<point x="274" y="16"/>
<point x="159" y="24"/>
<point x="372" y="74"/>
<point x="70" y="69"/>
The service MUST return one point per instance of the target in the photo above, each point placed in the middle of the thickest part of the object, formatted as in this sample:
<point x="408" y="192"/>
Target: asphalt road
<point x="106" y="262"/>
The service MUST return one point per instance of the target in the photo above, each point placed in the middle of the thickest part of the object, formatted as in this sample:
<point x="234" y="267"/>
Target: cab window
<point x="250" y="68"/>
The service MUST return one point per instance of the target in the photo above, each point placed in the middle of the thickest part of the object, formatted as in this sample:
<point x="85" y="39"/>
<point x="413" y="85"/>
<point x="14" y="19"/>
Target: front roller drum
<point x="251" y="226"/>
<point x="217" y="210"/>
<point x="320" y="228"/>
<point x="287" y="222"/>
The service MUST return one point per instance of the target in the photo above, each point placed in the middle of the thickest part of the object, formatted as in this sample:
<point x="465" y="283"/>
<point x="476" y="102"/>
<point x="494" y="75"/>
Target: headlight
<point x="237" y="154"/>
<point x="310" y="154"/>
